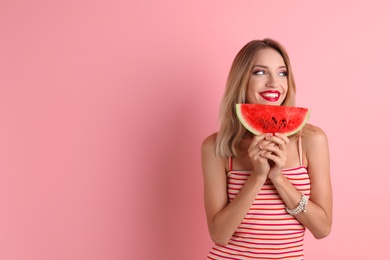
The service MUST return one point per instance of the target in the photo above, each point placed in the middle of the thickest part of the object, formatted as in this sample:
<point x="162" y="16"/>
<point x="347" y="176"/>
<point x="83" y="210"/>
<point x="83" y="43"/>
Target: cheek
<point x="285" y="90"/>
<point x="249" y="96"/>
<point x="249" y="89"/>
<point x="285" y="86"/>
<point x="250" y="85"/>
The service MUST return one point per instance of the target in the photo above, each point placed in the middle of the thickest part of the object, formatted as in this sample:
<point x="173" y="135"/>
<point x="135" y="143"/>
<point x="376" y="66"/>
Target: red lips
<point x="270" y="95"/>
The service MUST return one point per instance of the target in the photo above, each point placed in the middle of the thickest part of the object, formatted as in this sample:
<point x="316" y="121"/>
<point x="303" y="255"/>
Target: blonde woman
<point x="262" y="192"/>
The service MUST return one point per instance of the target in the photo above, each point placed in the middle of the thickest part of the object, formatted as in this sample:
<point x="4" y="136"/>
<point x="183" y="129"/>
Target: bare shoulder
<point x="211" y="163"/>
<point x="210" y="140"/>
<point x="315" y="145"/>
<point x="313" y="135"/>
<point x="208" y="144"/>
<point x="209" y="150"/>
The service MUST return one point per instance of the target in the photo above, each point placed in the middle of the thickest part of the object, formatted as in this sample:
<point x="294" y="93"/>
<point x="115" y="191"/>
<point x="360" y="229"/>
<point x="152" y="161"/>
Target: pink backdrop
<point x="104" y="104"/>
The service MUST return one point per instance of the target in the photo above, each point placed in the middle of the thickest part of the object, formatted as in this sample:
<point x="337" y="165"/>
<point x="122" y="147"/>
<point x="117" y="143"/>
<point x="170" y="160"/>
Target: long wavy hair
<point x="231" y="130"/>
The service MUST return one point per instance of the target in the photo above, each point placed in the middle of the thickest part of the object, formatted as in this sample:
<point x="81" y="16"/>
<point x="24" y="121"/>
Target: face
<point x="268" y="82"/>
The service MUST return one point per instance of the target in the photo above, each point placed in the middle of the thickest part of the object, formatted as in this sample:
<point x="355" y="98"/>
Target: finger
<point x="274" y="149"/>
<point x="264" y="143"/>
<point x="280" y="141"/>
<point x="267" y="144"/>
<point x="260" y="157"/>
<point x="256" y="140"/>
<point x="261" y="152"/>
<point x="254" y="151"/>
<point x="279" y="161"/>
<point x="257" y="157"/>
<point x="283" y="136"/>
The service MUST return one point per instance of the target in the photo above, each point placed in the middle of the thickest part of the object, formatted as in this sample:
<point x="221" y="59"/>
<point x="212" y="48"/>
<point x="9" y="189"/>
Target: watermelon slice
<point x="260" y="119"/>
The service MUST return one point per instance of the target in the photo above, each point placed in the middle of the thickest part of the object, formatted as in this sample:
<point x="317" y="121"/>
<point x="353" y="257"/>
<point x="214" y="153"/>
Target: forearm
<point x="315" y="217"/>
<point x="226" y="222"/>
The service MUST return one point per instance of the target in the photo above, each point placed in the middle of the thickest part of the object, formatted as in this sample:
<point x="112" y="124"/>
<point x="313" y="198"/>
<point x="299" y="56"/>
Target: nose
<point x="271" y="81"/>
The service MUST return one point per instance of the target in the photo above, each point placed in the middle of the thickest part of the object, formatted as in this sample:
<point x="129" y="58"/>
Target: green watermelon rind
<point x="256" y="132"/>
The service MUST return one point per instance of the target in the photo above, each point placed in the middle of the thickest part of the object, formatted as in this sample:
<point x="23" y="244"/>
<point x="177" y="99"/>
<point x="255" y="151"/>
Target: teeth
<point x="270" y="95"/>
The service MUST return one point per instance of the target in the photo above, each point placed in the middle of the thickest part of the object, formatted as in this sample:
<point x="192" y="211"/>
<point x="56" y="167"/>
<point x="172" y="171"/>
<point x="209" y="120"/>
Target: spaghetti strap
<point x="300" y="148"/>
<point x="230" y="163"/>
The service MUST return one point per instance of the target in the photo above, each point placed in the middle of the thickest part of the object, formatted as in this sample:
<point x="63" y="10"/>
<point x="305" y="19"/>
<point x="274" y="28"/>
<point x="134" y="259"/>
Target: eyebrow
<point x="265" y="67"/>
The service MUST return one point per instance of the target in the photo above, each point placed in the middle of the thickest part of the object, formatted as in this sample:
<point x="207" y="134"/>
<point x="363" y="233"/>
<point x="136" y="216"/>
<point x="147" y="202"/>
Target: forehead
<point x="270" y="58"/>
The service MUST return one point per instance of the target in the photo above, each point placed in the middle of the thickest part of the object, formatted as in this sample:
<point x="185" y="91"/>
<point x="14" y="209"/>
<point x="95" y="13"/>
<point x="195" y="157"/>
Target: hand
<point x="260" y="163"/>
<point x="276" y="152"/>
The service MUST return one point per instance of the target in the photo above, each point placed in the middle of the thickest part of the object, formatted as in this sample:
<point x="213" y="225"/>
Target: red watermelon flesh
<point x="260" y="119"/>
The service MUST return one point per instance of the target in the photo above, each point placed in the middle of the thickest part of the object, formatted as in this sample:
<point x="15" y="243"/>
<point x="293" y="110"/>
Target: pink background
<point x="104" y="105"/>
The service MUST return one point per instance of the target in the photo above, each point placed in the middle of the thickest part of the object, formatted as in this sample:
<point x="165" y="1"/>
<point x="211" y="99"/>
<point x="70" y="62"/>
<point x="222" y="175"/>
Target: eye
<point x="283" y="73"/>
<point x="259" y="72"/>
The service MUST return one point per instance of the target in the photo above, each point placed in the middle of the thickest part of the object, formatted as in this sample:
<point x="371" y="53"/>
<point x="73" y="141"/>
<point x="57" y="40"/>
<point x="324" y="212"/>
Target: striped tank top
<point x="267" y="231"/>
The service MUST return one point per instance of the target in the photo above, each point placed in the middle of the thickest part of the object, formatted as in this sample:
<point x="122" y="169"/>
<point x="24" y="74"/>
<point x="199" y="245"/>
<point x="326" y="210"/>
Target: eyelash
<point x="263" y="72"/>
<point x="258" y="72"/>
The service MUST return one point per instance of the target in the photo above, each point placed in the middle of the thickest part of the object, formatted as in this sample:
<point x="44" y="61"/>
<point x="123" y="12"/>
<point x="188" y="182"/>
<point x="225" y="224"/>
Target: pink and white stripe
<point x="268" y="231"/>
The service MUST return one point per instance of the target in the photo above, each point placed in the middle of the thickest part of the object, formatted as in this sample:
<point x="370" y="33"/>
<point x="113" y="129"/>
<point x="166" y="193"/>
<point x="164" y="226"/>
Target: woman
<point x="262" y="192"/>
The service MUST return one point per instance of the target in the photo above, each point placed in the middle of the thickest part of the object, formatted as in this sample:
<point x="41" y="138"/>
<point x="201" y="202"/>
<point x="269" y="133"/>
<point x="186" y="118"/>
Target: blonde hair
<point x="231" y="130"/>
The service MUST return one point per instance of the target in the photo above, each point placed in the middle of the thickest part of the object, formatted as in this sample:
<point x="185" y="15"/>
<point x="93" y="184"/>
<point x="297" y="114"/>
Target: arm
<point x="318" y="217"/>
<point x="223" y="217"/>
